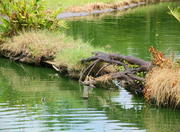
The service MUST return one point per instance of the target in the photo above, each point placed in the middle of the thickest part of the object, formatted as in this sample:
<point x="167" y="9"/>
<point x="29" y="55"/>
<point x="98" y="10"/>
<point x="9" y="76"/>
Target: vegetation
<point x="33" y="38"/>
<point x="76" y="51"/>
<point x="42" y="45"/>
<point x="33" y="44"/>
<point x="54" y="4"/>
<point x="163" y="81"/>
<point x="175" y="12"/>
<point x="101" y="5"/>
<point x="19" y="15"/>
<point x="67" y="3"/>
<point x="89" y="5"/>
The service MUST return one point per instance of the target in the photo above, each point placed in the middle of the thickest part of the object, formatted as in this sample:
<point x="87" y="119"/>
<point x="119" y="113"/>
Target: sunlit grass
<point x="175" y="12"/>
<point x="35" y="44"/>
<point x="54" y="46"/>
<point x="67" y="3"/>
<point x="71" y="56"/>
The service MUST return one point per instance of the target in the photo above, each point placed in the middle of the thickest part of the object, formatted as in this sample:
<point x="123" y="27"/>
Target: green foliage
<point x="175" y="12"/>
<point x="18" y="15"/>
<point x="72" y="55"/>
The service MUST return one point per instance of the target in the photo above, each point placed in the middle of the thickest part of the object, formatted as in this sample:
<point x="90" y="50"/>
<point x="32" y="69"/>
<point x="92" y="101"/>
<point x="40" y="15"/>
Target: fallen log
<point x="130" y="74"/>
<point x="157" y="81"/>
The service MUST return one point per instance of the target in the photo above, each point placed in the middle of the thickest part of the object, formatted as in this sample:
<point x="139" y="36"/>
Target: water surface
<point x="131" y="32"/>
<point x="37" y="99"/>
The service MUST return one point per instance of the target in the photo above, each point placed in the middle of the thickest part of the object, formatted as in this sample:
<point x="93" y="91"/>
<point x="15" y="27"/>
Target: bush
<point x="18" y="15"/>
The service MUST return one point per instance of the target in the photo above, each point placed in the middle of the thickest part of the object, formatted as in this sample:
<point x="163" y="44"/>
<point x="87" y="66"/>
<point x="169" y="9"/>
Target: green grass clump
<point x="71" y="56"/>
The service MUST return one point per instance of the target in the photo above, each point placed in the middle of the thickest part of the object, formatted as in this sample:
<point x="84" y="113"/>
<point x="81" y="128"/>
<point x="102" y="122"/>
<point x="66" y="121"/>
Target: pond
<point x="37" y="99"/>
<point x="131" y="32"/>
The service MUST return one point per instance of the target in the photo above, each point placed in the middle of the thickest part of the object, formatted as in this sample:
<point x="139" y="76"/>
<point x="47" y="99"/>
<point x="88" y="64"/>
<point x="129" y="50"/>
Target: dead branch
<point x="128" y="74"/>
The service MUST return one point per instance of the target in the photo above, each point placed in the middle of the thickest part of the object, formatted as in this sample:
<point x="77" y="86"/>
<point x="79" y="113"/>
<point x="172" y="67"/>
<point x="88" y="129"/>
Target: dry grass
<point x="34" y="44"/>
<point x="163" y="81"/>
<point x="101" y="6"/>
<point x="163" y="86"/>
<point x="37" y="46"/>
<point x="81" y="5"/>
<point x="89" y="7"/>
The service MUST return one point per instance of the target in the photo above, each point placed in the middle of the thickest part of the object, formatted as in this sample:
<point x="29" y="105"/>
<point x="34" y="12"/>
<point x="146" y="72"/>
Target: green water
<point x="34" y="99"/>
<point x="131" y="32"/>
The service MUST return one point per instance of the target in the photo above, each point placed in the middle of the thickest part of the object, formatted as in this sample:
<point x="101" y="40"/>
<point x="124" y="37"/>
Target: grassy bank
<point x="67" y="3"/>
<point x="89" y="5"/>
<point x="37" y="47"/>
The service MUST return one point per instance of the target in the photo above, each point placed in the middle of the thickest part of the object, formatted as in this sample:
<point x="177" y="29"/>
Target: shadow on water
<point x="131" y="32"/>
<point x="36" y="99"/>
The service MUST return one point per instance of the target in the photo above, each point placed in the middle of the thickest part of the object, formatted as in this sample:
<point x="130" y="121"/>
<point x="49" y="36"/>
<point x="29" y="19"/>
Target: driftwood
<point x="130" y="76"/>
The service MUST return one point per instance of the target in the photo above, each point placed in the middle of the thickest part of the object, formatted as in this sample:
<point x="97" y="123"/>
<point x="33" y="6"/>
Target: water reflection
<point x="132" y="33"/>
<point x="35" y="99"/>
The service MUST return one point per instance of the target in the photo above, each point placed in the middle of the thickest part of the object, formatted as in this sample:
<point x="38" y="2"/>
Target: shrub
<point x="18" y="15"/>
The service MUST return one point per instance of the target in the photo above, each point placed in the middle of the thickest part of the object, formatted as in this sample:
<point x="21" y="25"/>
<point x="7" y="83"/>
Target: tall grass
<point x="163" y="86"/>
<point x="163" y="81"/>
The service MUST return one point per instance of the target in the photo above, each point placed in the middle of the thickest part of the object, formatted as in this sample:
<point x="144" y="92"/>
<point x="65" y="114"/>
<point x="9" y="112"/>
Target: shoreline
<point x="100" y="8"/>
<point x="80" y="14"/>
<point x="74" y="60"/>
